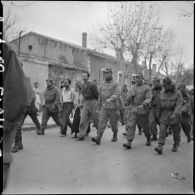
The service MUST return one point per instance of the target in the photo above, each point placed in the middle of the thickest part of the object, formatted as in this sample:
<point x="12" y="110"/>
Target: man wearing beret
<point x="51" y="107"/>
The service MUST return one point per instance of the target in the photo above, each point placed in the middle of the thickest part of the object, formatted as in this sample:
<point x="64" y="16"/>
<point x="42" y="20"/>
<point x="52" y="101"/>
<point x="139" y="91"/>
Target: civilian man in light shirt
<point x="67" y="99"/>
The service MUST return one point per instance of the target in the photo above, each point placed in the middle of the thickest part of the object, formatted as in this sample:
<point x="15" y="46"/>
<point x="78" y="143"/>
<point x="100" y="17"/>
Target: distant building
<point x="44" y="57"/>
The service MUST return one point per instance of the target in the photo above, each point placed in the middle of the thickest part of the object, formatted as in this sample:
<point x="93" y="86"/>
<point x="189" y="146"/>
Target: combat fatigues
<point x="153" y="112"/>
<point x="185" y="116"/>
<point x="169" y="105"/>
<point x="31" y="110"/>
<point x="121" y="110"/>
<point x="138" y="95"/>
<point x="89" y="109"/>
<point x="109" y="90"/>
<point x="50" y="108"/>
<point x="14" y="104"/>
<point x="192" y="116"/>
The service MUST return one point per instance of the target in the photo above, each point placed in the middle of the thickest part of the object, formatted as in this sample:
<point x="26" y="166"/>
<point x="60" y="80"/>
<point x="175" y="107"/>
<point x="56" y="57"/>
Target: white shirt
<point x="67" y="95"/>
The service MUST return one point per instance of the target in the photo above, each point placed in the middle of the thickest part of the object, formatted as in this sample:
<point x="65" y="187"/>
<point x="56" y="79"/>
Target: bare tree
<point x="180" y="62"/>
<point x="166" y="51"/>
<point x="12" y="19"/>
<point x="187" y="11"/>
<point x="125" y="30"/>
<point x="152" y="45"/>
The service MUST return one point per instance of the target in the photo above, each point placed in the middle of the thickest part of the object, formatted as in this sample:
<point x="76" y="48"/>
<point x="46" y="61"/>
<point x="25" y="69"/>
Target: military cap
<point x="167" y="80"/>
<point x="50" y="79"/>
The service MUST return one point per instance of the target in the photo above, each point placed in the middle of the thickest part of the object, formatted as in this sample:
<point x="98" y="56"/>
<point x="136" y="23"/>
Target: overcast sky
<point x="67" y="20"/>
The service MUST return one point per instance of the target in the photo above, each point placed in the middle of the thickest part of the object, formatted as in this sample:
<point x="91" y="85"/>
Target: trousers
<point x="113" y="116"/>
<point x="134" y="119"/>
<point x="89" y="111"/>
<point x="46" y="115"/>
<point x="67" y="109"/>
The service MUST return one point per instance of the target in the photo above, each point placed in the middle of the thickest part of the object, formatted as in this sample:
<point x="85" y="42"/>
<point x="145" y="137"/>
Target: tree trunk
<point x="160" y="65"/>
<point x="134" y="61"/>
<point x="150" y="68"/>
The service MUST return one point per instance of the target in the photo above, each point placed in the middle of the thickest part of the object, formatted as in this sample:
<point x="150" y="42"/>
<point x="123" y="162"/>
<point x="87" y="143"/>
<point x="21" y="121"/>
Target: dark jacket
<point x="52" y="97"/>
<point x="169" y="104"/>
<point x="90" y="91"/>
<point x="109" y="90"/>
<point x="15" y="89"/>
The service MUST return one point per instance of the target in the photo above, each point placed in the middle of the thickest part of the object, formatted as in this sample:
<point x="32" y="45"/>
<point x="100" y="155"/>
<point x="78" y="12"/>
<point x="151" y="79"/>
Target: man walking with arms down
<point x="139" y="99"/>
<point x="89" y="110"/>
<point x="52" y="99"/>
<point x="108" y="100"/>
<point x="67" y="99"/>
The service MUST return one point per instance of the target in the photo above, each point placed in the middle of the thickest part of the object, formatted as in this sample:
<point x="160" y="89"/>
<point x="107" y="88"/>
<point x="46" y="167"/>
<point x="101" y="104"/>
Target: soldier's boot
<point x="154" y="138"/>
<point x="127" y="145"/>
<point x="41" y="132"/>
<point x="140" y="132"/>
<point x="188" y="138"/>
<point x="159" y="148"/>
<point x="175" y="147"/>
<point x="37" y="131"/>
<point x="148" y="141"/>
<point x="114" y="138"/>
<point x="17" y="147"/>
<point x="96" y="140"/>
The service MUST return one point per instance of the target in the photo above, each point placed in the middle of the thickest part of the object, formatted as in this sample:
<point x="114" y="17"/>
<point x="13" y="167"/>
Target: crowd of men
<point x="146" y="106"/>
<point x="158" y="109"/>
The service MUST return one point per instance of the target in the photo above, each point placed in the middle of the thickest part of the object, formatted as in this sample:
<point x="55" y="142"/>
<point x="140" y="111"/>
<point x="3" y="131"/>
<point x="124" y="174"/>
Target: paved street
<point x="54" y="164"/>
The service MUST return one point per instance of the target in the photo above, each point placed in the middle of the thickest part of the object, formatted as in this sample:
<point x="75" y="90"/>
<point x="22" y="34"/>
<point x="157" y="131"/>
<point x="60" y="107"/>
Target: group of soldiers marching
<point x="146" y="106"/>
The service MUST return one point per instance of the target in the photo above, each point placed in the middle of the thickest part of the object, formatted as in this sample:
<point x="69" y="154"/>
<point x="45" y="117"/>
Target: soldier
<point x="138" y="100"/>
<point x="185" y="112"/>
<point x="31" y="110"/>
<point x="51" y="106"/>
<point x="156" y="88"/>
<point x="168" y="110"/>
<point x="14" y="104"/>
<point x="89" y="110"/>
<point x="108" y="102"/>
<point x="124" y="94"/>
<point x="192" y="114"/>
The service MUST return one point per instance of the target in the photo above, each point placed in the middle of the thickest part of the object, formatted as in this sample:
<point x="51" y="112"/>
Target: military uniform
<point x="50" y="108"/>
<point x="168" y="109"/>
<point x="192" y="116"/>
<point x="185" y="114"/>
<point x="138" y="95"/>
<point x="153" y="115"/>
<point x="109" y="90"/>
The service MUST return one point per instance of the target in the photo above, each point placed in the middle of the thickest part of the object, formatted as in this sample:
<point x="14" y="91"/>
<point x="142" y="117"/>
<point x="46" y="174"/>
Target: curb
<point x="34" y="128"/>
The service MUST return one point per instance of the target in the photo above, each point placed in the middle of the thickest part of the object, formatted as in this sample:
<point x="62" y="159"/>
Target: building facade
<point x="44" y="57"/>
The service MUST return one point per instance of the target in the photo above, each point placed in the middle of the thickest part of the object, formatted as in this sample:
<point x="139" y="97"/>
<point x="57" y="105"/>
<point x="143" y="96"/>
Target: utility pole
<point x="19" y="43"/>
